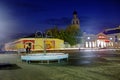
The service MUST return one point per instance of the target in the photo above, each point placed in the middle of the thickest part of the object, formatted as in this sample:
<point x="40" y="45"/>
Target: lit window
<point x="90" y="44"/>
<point x="118" y="38"/>
<point x="101" y="37"/>
<point x="86" y="44"/>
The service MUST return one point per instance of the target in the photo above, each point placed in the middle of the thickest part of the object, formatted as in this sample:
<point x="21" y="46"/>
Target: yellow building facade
<point x="36" y="44"/>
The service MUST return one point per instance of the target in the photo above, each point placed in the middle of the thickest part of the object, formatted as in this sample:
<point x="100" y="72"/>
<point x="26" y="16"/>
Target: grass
<point x="108" y="71"/>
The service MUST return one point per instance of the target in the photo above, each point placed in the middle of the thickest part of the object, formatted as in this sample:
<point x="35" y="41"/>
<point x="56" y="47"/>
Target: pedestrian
<point x="27" y="49"/>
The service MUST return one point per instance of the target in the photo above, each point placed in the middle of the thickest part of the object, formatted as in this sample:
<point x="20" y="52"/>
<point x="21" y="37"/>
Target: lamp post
<point x="43" y="35"/>
<point x="49" y="34"/>
<point x="44" y="42"/>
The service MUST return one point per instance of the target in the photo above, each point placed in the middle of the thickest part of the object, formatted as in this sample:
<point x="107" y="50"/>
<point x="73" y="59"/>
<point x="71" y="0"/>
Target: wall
<point x="35" y="43"/>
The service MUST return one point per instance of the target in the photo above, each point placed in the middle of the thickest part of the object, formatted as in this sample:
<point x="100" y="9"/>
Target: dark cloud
<point x="24" y="6"/>
<point x="58" y="21"/>
<point x="66" y="20"/>
<point x="28" y="6"/>
<point x="84" y="19"/>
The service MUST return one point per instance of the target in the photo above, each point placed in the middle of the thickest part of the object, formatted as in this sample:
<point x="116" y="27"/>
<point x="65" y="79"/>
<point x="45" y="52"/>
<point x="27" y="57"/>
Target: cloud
<point x="7" y="23"/>
<point x="84" y="19"/>
<point x="58" y="21"/>
<point x="29" y="6"/>
<point x="24" y="7"/>
<point x="65" y="21"/>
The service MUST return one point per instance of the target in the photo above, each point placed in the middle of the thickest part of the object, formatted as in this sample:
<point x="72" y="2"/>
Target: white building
<point x="110" y="38"/>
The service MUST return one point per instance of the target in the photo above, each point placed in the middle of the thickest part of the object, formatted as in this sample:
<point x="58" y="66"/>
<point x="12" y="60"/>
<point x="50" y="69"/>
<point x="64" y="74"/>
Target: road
<point x="93" y="57"/>
<point x="84" y="65"/>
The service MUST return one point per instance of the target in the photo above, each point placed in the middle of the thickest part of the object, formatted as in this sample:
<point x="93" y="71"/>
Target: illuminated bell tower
<point x="75" y="20"/>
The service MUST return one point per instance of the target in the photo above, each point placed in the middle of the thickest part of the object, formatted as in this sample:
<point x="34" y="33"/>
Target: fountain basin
<point x="44" y="57"/>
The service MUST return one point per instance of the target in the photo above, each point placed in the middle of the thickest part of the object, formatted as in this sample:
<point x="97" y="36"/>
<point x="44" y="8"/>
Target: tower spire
<point x="75" y="20"/>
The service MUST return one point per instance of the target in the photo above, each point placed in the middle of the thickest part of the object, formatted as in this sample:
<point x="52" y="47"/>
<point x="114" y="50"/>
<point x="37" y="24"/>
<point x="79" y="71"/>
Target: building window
<point x="86" y="44"/>
<point x="90" y="45"/>
<point x="101" y="37"/>
<point x="116" y="40"/>
<point x="93" y="44"/>
<point x="77" y="22"/>
<point x="73" y="22"/>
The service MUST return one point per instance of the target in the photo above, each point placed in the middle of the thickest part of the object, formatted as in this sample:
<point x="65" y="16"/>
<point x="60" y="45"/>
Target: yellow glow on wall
<point x="36" y="44"/>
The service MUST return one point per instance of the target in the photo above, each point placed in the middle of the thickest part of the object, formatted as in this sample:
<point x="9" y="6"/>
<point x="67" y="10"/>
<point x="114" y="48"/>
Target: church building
<point x="75" y="20"/>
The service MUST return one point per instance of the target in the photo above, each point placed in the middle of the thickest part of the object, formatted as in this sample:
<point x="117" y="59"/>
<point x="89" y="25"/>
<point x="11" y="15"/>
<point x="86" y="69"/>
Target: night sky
<point x="29" y="16"/>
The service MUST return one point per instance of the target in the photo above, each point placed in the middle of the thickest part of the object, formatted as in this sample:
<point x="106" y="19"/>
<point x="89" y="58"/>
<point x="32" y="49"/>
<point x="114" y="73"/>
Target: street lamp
<point x="38" y="34"/>
<point x="110" y="38"/>
<point x="88" y="38"/>
<point x="49" y="34"/>
<point x="43" y="35"/>
<point x="44" y="42"/>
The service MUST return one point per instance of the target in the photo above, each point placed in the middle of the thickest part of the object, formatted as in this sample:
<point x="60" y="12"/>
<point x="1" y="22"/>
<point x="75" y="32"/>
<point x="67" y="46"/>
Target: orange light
<point x="107" y="40"/>
<point x="101" y="37"/>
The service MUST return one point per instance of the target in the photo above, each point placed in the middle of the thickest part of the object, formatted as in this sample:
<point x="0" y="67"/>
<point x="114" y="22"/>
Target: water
<point x="79" y="58"/>
<point x="84" y="58"/>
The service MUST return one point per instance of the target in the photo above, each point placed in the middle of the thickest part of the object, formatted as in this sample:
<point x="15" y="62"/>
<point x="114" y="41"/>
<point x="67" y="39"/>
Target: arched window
<point x="73" y="22"/>
<point x="77" y="22"/>
<point x="86" y="44"/>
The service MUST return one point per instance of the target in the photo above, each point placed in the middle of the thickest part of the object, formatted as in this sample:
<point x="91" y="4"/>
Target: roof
<point x="75" y="12"/>
<point x="112" y="31"/>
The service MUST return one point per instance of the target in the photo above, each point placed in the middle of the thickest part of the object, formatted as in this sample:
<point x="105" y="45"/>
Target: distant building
<point x="98" y="41"/>
<point x="115" y="32"/>
<point x="36" y="44"/>
<point x="110" y="38"/>
<point x="75" y="24"/>
<point x="75" y="20"/>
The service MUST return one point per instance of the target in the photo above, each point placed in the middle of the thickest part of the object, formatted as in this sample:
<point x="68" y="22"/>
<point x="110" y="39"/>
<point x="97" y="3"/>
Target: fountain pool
<point x="44" y="57"/>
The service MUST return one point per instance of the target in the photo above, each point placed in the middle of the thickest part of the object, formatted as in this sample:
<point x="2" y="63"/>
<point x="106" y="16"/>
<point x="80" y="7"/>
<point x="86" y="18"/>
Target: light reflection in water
<point x="90" y="57"/>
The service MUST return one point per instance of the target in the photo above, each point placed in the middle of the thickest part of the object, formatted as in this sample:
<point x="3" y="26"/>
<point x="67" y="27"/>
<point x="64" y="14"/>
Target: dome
<point x="75" y="12"/>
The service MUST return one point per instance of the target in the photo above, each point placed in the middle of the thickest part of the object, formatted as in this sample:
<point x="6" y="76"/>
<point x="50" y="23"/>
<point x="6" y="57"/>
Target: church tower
<point x="75" y="20"/>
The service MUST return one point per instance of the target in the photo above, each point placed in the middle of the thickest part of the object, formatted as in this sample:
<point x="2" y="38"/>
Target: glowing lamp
<point x="110" y="38"/>
<point x="88" y="37"/>
<point x="101" y="37"/>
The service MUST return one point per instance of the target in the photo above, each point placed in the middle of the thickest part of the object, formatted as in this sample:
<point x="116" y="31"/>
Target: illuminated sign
<point x="101" y="37"/>
<point x="107" y="40"/>
<point x="50" y="44"/>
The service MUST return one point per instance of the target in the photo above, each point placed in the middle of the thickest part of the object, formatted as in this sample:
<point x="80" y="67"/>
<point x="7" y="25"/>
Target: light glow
<point x="110" y="38"/>
<point x="118" y="38"/>
<point x="88" y="37"/>
<point x="7" y="22"/>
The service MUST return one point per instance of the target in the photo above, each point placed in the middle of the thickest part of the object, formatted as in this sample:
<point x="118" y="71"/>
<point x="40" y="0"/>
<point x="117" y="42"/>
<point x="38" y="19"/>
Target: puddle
<point x="8" y="66"/>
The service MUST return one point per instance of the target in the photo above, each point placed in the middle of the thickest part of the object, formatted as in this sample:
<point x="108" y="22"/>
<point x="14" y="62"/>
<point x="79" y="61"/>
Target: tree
<point x="72" y="32"/>
<point x="53" y="32"/>
<point x="68" y="35"/>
